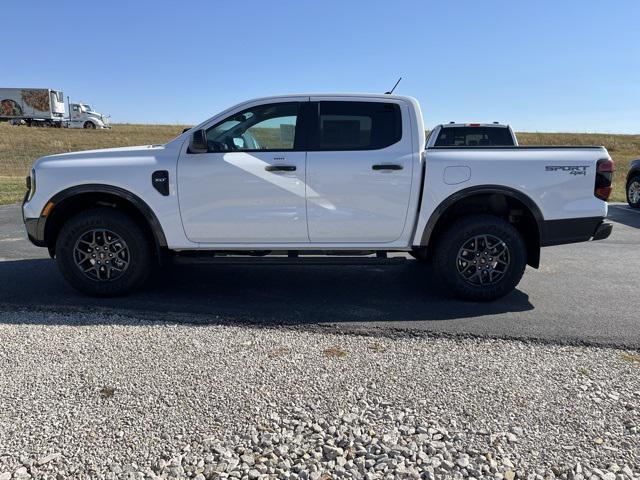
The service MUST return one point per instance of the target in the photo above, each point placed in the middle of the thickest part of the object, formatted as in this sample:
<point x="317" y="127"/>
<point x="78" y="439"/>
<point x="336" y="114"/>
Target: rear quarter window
<point x="474" y="137"/>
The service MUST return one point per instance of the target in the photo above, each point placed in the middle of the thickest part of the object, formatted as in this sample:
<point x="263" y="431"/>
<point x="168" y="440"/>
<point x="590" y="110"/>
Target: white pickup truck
<point x="303" y="175"/>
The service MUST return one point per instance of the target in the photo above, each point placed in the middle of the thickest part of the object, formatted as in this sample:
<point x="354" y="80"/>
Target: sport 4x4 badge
<point x="572" y="169"/>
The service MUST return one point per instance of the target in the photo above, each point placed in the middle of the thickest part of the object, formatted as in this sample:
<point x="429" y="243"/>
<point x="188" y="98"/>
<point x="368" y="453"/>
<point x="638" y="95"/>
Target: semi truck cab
<point x="82" y="115"/>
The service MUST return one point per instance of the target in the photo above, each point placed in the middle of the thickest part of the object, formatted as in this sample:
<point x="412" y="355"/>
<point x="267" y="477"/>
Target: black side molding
<point x="574" y="230"/>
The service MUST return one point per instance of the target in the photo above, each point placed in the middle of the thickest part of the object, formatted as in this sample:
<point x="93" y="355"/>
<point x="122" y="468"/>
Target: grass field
<point x="20" y="146"/>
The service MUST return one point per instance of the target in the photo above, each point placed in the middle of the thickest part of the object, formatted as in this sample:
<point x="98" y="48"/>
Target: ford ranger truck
<point x="338" y="174"/>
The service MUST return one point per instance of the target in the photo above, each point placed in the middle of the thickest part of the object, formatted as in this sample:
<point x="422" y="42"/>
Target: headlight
<point x="31" y="184"/>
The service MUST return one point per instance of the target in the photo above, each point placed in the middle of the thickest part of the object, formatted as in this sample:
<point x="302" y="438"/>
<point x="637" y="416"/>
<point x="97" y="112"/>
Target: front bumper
<point x="34" y="226"/>
<point x="35" y="231"/>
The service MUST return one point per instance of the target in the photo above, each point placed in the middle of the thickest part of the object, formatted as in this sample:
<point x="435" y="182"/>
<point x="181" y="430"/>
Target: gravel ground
<point x="108" y="396"/>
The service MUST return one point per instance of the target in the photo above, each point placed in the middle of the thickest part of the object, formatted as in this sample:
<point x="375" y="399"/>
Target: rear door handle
<point x="280" y="168"/>
<point x="387" y="166"/>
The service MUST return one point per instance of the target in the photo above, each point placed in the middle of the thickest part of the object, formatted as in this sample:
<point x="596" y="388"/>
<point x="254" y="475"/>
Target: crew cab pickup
<point x="339" y="174"/>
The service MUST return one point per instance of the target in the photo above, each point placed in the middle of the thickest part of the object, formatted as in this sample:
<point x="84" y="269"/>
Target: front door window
<point x="262" y="128"/>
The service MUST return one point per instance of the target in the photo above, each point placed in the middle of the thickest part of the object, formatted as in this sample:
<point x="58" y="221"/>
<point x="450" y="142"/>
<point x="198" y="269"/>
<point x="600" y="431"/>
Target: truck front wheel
<point x="90" y="125"/>
<point x="480" y="257"/>
<point x="103" y="252"/>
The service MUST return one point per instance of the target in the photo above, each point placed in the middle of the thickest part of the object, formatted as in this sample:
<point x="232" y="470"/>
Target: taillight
<point x="604" y="178"/>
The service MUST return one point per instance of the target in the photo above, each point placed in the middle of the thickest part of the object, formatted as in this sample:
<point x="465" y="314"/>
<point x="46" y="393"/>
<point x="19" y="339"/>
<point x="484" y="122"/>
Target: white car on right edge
<point x="633" y="184"/>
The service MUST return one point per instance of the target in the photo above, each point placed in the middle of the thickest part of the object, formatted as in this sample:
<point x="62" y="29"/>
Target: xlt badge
<point x="160" y="181"/>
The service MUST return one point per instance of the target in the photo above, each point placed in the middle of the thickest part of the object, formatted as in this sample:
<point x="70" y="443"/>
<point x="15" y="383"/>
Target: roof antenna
<point x="394" y="87"/>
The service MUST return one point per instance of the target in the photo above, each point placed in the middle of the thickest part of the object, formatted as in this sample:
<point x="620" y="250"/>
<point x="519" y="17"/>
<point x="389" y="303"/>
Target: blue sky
<point x="548" y="65"/>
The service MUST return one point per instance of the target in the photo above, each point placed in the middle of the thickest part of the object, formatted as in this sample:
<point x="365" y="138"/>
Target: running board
<point x="238" y="260"/>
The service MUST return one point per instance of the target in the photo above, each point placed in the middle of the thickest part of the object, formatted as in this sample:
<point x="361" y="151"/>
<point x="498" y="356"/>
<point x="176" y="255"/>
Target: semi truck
<point x="33" y="106"/>
<point x="45" y="107"/>
<point x="82" y="115"/>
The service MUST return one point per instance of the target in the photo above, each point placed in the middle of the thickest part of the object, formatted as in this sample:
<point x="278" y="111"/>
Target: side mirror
<point x="198" y="143"/>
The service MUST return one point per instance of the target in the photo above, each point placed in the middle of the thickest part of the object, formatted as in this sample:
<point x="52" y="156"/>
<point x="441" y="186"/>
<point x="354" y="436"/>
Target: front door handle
<point x="387" y="166"/>
<point x="280" y="168"/>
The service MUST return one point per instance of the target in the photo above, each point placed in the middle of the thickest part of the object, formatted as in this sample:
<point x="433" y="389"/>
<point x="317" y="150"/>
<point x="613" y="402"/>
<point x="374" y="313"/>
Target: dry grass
<point x="630" y="357"/>
<point x="335" y="352"/>
<point x="278" y="352"/>
<point x="20" y="146"/>
<point x="377" y="347"/>
<point x="12" y="189"/>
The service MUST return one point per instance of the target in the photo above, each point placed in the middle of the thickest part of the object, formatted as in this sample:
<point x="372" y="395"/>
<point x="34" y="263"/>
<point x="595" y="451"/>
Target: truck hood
<point x="120" y="156"/>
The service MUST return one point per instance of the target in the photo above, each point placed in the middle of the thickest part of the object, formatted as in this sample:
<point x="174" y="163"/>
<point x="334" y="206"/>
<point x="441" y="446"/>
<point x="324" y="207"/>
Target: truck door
<point x="74" y="114"/>
<point x="359" y="171"/>
<point x="249" y="187"/>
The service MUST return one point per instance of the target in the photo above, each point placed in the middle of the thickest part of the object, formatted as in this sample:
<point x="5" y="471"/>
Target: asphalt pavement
<point x="583" y="293"/>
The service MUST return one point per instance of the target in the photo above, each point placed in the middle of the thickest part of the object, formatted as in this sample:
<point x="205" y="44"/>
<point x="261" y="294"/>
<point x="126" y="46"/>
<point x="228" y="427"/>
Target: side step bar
<point x="244" y="260"/>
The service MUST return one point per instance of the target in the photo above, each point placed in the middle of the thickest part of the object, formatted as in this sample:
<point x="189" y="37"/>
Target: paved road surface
<point x="582" y="293"/>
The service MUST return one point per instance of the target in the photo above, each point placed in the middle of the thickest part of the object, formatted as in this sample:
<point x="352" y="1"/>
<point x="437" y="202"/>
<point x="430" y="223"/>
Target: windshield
<point x="87" y="108"/>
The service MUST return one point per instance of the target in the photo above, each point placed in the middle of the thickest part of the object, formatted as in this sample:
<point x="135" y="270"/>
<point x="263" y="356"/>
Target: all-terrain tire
<point x="90" y="237"/>
<point x="450" y="258"/>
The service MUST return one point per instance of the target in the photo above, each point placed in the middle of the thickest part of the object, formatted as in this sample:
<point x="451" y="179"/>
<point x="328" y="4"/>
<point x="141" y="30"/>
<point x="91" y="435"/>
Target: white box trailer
<point x="33" y="106"/>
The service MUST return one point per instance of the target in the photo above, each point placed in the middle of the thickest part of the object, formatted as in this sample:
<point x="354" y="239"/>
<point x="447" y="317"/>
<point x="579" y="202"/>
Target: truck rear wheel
<point x="480" y="257"/>
<point x="103" y="252"/>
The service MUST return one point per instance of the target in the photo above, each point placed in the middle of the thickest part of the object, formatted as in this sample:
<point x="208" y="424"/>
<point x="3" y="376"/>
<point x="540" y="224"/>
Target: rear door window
<point x="474" y="137"/>
<point x="358" y="125"/>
